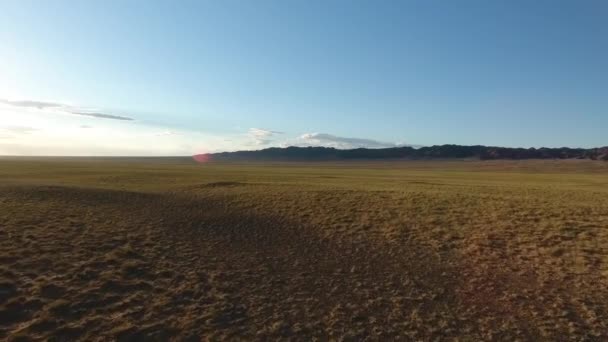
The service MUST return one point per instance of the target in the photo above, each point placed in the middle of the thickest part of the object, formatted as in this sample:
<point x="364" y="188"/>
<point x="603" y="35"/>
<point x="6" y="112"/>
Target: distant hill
<point x="431" y="152"/>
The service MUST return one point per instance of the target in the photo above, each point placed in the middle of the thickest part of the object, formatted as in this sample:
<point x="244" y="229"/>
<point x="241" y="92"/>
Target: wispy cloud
<point x="64" y="108"/>
<point x="18" y="129"/>
<point x="330" y="140"/>
<point x="101" y="115"/>
<point x="167" y="133"/>
<point x="262" y="136"/>
<point x="10" y="132"/>
<point x="260" y="132"/>
<point x="32" y="104"/>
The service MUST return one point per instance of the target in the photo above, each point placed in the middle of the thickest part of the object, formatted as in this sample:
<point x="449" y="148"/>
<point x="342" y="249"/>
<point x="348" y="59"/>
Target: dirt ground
<point x="101" y="251"/>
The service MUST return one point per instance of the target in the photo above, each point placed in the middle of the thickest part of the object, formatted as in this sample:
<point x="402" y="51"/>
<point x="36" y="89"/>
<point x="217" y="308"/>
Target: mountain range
<point x="410" y="153"/>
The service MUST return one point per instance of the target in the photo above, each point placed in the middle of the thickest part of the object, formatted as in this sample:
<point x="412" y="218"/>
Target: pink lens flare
<point x="202" y="158"/>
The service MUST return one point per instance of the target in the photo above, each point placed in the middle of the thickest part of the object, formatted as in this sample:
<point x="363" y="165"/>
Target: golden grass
<point x="166" y="249"/>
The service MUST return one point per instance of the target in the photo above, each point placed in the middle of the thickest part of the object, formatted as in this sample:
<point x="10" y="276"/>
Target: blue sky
<point x="225" y="75"/>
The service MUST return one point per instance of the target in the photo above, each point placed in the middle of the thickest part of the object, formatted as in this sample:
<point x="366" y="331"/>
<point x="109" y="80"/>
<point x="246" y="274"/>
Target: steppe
<point x="167" y="249"/>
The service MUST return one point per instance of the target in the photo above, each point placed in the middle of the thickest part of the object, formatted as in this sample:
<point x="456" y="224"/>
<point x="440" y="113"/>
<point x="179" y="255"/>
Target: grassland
<point x="160" y="249"/>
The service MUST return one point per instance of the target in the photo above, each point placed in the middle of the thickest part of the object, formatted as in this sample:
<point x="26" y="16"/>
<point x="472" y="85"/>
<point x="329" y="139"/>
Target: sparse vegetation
<point x="167" y="249"/>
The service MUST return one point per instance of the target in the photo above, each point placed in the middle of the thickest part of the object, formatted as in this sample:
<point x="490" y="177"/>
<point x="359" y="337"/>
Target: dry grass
<point x="157" y="249"/>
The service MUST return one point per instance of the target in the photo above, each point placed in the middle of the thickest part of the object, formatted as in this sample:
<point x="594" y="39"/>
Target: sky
<point x="185" y="77"/>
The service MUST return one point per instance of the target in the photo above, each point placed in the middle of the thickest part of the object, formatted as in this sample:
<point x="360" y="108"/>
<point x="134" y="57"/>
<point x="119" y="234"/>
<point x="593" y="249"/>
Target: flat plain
<point x="167" y="249"/>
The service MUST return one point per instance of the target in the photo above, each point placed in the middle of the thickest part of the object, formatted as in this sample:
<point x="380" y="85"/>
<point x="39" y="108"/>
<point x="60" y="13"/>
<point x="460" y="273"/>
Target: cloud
<point x="33" y="104"/>
<point x="10" y="132"/>
<point x="259" y="132"/>
<point x="262" y="136"/>
<point x="63" y="108"/>
<point x="86" y="126"/>
<point x="167" y="133"/>
<point x="329" y="140"/>
<point x="101" y="115"/>
<point x="18" y="129"/>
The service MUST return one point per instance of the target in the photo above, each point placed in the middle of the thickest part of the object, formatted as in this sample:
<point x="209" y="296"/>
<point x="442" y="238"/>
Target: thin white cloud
<point x="101" y="115"/>
<point x="41" y="105"/>
<point x="33" y="104"/>
<point x="262" y="136"/>
<point x="330" y="140"/>
<point x="167" y="133"/>
<point x="260" y="132"/>
<point x="18" y="129"/>
<point x="15" y="132"/>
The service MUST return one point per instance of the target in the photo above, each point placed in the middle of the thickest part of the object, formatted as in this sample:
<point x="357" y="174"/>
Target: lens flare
<point x="201" y="158"/>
